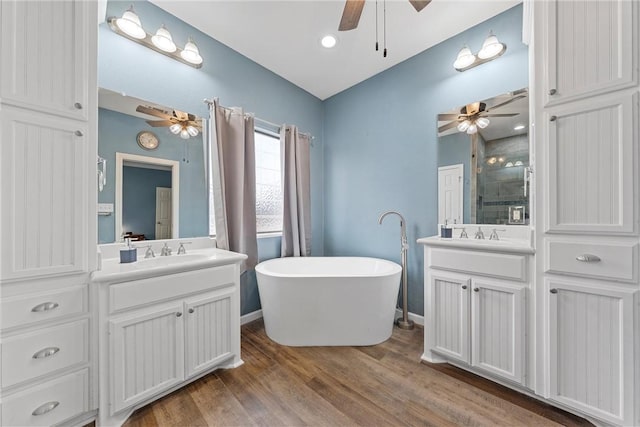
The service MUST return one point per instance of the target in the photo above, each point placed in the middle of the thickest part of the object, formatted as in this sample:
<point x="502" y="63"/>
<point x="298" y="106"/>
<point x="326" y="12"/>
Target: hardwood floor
<point x="383" y="385"/>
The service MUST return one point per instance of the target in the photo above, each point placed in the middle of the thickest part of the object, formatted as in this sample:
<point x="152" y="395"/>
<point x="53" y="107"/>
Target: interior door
<point x="450" y="204"/>
<point x="163" y="213"/>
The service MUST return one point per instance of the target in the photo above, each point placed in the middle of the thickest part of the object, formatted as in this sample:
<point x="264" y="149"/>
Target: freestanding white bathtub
<point x="328" y="301"/>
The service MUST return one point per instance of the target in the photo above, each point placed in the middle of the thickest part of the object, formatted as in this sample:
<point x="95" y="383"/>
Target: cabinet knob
<point x="476" y="289"/>
<point x="178" y="314"/>
<point x="553" y="291"/>
<point x="78" y="106"/>
<point x="588" y="258"/>
<point x="552" y="91"/>
<point x="78" y="133"/>
<point x="464" y="286"/>
<point x="44" y="408"/>
<point x="45" y="306"/>
<point x="45" y="352"/>
<point x="191" y="310"/>
<point x="553" y="118"/>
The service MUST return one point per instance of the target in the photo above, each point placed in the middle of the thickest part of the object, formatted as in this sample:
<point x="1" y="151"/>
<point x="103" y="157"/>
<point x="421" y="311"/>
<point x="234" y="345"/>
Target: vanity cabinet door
<point x="147" y="349"/>
<point x="591" y="345"/>
<point x="450" y="315"/>
<point x="208" y="332"/>
<point x="589" y="47"/>
<point x="497" y="328"/>
<point x="44" y="55"/>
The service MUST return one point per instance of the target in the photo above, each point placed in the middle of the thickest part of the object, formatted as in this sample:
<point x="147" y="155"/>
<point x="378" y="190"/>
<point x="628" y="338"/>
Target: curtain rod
<point x="263" y="121"/>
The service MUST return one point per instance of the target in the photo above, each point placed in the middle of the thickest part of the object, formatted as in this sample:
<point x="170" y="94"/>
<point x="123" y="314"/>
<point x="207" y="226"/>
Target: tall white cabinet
<point x="48" y="109"/>
<point x="587" y="128"/>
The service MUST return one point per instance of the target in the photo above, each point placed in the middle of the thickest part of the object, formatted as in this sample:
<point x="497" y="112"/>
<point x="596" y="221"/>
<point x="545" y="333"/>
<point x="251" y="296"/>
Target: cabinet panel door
<point x="209" y="334"/>
<point x="591" y="349"/>
<point x="591" y="169"/>
<point x="497" y="336"/>
<point x="44" y="188"/>
<point x="451" y="316"/>
<point x="591" y="47"/>
<point x="44" y="55"/>
<point x="147" y="354"/>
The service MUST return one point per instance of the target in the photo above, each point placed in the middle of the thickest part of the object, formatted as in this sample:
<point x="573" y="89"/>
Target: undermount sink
<point x="502" y="245"/>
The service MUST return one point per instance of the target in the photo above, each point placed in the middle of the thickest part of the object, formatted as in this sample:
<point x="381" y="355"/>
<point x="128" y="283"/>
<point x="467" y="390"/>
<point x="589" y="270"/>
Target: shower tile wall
<point x="502" y="186"/>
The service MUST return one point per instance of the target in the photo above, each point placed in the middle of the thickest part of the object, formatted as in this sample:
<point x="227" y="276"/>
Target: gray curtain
<point x="234" y="181"/>
<point x="296" y="221"/>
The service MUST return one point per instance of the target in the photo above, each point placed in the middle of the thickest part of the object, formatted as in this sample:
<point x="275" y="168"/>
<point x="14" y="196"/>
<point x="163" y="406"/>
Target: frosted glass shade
<point x="192" y="130"/>
<point x="464" y="59"/>
<point x="175" y="128"/>
<point x="490" y="48"/>
<point x="463" y="126"/>
<point x="130" y="24"/>
<point x="163" y="40"/>
<point x="190" y="53"/>
<point x="482" y="122"/>
<point x="184" y="134"/>
<point x="472" y="129"/>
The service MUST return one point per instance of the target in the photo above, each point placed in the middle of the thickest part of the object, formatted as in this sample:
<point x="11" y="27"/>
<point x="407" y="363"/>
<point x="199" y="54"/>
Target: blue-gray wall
<point x="139" y="198"/>
<point x="124" y="66"/>
<point x="455" y="149"/>
<point x="117" y="133"/>
<point x="381" y="145"/>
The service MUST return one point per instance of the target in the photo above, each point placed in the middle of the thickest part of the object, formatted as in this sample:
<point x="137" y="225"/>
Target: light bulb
<point x="163" y="40"/>
<point x="130" y="24"/>
<point x="328" y="41"/>
<point x="491" y="47"/>
<point x="175" y="128"/>
<point x="464" y="59"/>
<point x="472" y="129"/>
<point x="190" y="53"/>
<point x="463" y="126"/>
<point x="193" y="131"/>
<point x="482" y="122"/>
<point x="184" y="134"/>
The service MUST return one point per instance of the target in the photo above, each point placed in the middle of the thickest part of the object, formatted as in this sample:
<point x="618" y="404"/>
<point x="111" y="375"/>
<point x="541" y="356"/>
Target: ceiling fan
<point x="473" y="116"/>
<point x="178" y="122"/>
<point x="353" y="10"/>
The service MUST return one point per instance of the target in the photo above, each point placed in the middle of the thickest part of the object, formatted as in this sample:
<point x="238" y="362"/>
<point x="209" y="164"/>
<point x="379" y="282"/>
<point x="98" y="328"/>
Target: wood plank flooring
<point x="383" y="385"/>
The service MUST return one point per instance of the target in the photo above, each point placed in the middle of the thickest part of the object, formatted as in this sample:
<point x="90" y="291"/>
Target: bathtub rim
<point x="260" y="268"/>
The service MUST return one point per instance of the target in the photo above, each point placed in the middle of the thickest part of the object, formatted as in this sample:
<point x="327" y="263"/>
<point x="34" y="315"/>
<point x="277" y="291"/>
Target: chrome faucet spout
<point x="403" y="227"/>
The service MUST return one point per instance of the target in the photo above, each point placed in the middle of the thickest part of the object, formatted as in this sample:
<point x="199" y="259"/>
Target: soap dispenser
<point x="129" y="254"/>
<point x="446" y="232"/>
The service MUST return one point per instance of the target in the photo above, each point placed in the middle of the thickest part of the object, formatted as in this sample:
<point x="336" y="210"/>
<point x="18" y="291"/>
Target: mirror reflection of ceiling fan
<point x="475" y="115"/>
<point x="179" y="123"/>
<point x="353" y="10"/>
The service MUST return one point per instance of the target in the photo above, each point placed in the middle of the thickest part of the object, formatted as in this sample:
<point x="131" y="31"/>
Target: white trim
<point x="417" y="319"/>
<point x="121" y="158"/>
<point x="269" y="234"/>
<point x="250" y="317"/>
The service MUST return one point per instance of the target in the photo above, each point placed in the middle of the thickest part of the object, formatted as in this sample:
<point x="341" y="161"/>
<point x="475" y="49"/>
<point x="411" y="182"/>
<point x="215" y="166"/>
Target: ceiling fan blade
<point x="351" y="15"/>
<point x="508" y="101"/>
<point x="160" y="123"/>
<point x="447" y="126"/>
<point x="501" y="115"/>
<point x="152" y="111"/>
<point x="450" y="116"/>
<point x="419" y="4"/>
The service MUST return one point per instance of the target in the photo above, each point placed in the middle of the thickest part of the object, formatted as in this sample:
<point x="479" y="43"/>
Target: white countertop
<point x="521" y="246"/>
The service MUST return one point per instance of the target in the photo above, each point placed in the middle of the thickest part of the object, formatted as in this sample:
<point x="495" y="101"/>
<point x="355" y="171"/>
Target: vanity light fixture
<point x="129" y="26"/>
<point x="491" y="49"/>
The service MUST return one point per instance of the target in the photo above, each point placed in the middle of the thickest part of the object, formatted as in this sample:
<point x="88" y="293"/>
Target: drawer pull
<point x="178" y="314"/>
<point x="47" y="407"/>
<point x="45" y="306"/>
<point x="45" y="352"/>
<point x="552" y="91"/>
<point x="77" y="106"/>
<point x="464" y="286"/>
<point x="476" y="289"/>
<point x="588" y="258"/>
<point x="553" y="118"/>
<point x="191" y="310"/>
<point x="553" y="291"/>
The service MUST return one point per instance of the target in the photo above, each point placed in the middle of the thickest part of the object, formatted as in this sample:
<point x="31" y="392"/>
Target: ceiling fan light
<point x="192" y="130"/>
<point x="130" y="24"/>
<point x="175" y="128"/>
<point x="464" y="59"/>
<point x="190" y="53"/>
<point x="184" y="134"/>
<point x="163" y="40"/>
<point x="490" y="48"/>
<point x="463" y="126"/>
<point x="482" y="122"/>
<point x="472" y="129"/>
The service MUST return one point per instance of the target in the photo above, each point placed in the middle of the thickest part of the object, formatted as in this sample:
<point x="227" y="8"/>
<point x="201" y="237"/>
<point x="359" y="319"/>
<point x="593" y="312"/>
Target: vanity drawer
<point x="123" y="296"/>
<point x="505" y="266"/>
<point x="30" y="355"/>
<point x="613" y="261"/>
<point x="66" y="397"/>
<point x="24" y="310"/>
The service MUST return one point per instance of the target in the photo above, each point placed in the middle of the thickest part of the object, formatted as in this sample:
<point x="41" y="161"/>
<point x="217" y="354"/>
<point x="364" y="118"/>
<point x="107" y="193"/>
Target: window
<point x="268" y="183"/>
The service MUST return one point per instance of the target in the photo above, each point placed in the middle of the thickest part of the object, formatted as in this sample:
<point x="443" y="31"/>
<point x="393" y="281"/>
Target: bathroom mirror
<point x="483" y="160"/>
<point x="158" y="188"/>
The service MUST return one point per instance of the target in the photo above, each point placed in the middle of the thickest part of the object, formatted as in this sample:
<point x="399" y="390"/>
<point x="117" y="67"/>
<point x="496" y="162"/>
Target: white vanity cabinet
<point x="586" y="109"/>
<point x="476" y="311"/>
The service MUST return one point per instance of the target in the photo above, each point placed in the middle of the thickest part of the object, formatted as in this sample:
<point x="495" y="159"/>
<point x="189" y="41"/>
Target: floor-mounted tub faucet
<point x="404" y="322"/>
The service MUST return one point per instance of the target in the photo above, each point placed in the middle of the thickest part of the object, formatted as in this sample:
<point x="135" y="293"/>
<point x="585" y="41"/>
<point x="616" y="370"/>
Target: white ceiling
<point x="284" y="36"/>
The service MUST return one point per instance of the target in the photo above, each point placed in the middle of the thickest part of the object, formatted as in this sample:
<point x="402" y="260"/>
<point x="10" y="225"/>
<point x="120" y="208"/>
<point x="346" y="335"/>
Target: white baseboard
<point x="250" y="317"/>
<point x="417" y="319"/>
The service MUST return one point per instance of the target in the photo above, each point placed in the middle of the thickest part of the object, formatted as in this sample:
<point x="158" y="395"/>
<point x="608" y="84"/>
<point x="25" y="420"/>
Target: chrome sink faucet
<point x="149" y="253"/>
<point x="463" y="233"/>
<point x="494" y="234"/>
<point x="165" y="251"/>
<point x="479" y="234"/>
<point x="181" y="248"/>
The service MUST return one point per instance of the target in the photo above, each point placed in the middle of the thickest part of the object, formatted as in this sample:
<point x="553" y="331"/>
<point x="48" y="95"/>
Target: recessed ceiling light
<point x="328" y="41"/>
<point x="518" y="127"/>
